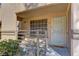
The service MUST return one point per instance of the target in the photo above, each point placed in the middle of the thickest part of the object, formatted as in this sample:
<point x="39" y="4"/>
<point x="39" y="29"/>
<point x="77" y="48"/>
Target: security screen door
<point x="58" y="32"/>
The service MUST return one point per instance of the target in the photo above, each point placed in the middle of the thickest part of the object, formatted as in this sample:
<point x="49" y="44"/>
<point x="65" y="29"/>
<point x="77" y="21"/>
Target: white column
<point x="9" y="25"/>
<point x="75" y="26"/>
<point x="9" y="19"/>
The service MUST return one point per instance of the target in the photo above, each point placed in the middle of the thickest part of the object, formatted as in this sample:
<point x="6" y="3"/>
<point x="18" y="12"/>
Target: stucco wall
<point x="75" y="47"/>
<point x="75" y="26"/>
<point x="9" y="20"/>
<point x="14" y="7"/>
<point x="8" y="23"/>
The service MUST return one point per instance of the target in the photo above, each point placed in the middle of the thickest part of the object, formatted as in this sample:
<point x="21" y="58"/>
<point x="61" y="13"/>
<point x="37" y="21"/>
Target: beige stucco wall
<point x="75" y="47"/>
<point x="8" y="24"/>
<point x="9" y="20"/>
<point x="75" y="26"/>
<point x="14" y="7"/>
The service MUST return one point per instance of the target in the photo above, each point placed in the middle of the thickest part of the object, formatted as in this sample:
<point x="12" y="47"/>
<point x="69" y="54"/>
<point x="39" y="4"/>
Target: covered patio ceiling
<point x="50" y="8"/>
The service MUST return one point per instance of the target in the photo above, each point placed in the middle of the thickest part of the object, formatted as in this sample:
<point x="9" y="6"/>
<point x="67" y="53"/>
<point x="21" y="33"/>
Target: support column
<point x="9" y="25"/>
<point x="75" y="29"/>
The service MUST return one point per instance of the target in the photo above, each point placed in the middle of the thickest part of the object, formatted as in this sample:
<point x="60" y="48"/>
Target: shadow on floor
<point x="61" y="51"/>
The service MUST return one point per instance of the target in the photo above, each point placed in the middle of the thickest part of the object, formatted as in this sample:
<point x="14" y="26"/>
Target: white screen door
<point x="58" y="32"/>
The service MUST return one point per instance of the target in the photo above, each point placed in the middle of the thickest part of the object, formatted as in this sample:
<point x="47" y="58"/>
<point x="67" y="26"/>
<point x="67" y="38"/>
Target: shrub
<point x="9" y="48"/>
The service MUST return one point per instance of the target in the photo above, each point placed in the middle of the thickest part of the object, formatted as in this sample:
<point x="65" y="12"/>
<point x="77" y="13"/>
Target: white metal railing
<point x="41" y="40"/>
<point x="35" y="33"/>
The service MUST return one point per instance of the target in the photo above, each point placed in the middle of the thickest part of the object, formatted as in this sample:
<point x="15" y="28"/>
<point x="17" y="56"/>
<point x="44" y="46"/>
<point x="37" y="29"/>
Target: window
<point x="38" y="27"/>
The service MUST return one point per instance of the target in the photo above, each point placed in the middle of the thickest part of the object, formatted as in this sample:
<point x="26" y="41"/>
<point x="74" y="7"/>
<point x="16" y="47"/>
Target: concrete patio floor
<point x="56" y="51"/>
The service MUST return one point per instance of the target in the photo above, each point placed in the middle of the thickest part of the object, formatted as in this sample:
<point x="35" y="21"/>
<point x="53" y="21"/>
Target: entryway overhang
<point x="60" y="8"/>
